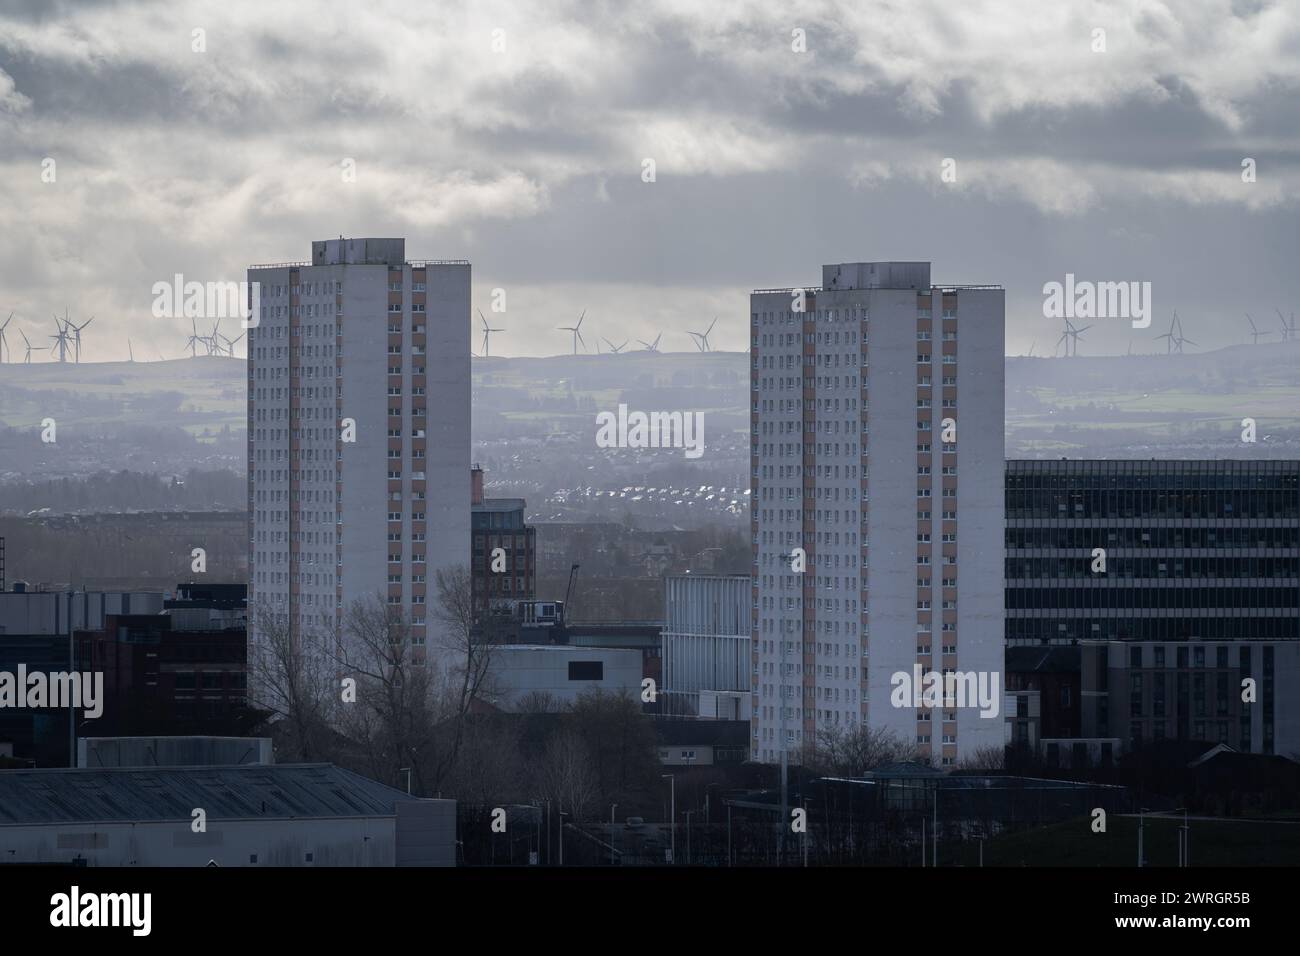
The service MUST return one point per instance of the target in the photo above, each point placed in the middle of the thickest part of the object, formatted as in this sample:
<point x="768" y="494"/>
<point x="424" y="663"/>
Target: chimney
<point x="476" y="485"/>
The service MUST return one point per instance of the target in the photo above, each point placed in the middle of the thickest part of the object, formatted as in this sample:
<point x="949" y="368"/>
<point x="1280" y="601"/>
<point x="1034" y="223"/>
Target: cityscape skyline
<point x="665" y="442"/>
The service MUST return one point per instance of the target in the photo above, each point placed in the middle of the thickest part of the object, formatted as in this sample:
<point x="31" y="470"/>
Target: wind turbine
<point x="214" y="340"/>
<point x="1076" y="334"/>
<point x="1255" y="334"/>
<point x="4" y="346"/>
<point x="1288" y="332"/>
<point x="61" y="338"/>
<point x="702" y="338"/>
<point x="577" y="335"/>
<point x="230" y="343"/>
<point x="487" y="333"/>
<point x="615" y="349"/>
<point x="1172" y="344"/>
<point x="76" y="330"/>
<point x="1181" y="340"/>
<point x="194" y="339"/>
<point x="27" y="359"/>
<point x="652" y="346"/>
<point x="1066" y="337"/>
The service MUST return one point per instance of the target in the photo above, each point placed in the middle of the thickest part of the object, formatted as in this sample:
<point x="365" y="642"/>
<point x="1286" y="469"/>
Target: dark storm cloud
<point x="1119" y="165"/>
<point x="53" y="11"/>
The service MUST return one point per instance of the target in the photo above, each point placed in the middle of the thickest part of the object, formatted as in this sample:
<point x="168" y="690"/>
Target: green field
<point x="1214" y="842"/>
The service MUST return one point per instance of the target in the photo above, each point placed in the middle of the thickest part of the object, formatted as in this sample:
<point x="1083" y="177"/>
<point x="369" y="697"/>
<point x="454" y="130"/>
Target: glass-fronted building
<point x="1192" y="550"/>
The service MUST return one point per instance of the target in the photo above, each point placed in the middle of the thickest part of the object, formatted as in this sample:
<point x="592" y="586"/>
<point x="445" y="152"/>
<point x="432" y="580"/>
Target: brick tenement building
<point x="159" y="679"/>
<point x="499" y="523"/>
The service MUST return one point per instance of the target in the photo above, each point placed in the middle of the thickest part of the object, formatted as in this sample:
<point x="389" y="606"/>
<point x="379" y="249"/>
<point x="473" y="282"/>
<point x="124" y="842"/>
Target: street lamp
<point x="1184" y="842"/>
<point x="1141" y="827"/>
<point x="672" y="826"/>
<point x="805" y="830"/>
<point x="688" y="837"/>
<point x="612" y="808"/>
<point x="729" y="834"/>
<point x="537" y="801"/>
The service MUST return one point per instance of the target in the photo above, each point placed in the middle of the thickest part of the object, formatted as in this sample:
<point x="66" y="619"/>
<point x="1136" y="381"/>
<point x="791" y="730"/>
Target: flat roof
<point x="152" y="794"/>
<point x="501" y="504"/>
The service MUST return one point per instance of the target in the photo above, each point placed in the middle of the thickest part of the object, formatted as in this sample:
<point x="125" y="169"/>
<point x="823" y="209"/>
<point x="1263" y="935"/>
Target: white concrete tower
<point x="877" y="449"/>
<point x="358" y="431"/>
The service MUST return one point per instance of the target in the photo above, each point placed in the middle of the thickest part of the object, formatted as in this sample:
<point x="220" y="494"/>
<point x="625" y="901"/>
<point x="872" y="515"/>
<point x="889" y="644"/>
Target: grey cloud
<point x="171" y="163"/>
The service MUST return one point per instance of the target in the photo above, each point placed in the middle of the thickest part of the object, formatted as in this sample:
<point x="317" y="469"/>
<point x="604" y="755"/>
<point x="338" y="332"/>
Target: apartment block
<point x="877" y="468"/>
<point x="358" y="431"/>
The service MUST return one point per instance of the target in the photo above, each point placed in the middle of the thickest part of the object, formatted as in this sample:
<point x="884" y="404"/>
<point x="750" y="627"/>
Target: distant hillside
<point x="155" y="417"/>
<point x="194" y="394"/>
<point x="534" y="420"/>
<point x="1156" y="406"/>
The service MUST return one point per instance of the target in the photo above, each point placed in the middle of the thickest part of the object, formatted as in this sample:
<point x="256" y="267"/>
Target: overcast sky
<point x="1115" y="165"/>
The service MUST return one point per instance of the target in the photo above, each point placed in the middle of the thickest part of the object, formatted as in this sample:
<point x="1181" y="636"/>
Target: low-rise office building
<point x="1240" y="693"/>
<point x="525" y="675"/>
<point x="281" y="815"/>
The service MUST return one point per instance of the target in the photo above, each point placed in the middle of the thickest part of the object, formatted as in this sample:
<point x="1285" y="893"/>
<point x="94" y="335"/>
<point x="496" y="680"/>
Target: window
<point x="586" y="670"/>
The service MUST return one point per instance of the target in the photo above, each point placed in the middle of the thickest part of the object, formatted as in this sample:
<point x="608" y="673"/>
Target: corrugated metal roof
<point x="172" y="793"/>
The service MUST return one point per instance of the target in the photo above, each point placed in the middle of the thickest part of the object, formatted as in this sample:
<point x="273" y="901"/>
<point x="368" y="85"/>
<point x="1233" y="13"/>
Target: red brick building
<point x="499" y="523"/>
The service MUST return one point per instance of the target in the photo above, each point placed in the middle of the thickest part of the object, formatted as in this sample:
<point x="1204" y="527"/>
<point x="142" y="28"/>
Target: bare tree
<point x="291" y="676"/>
<point x="985" y="758"/>
<point x="462" y="653"/>
<point x="413" y="697"/>
<point x="853" y="750"/>
<point x="398" y="704"/>
<point x="490" y="768"/>
<point x="539" y="702"/>
<point x="564" y="774"/>
<point x="621" y="742"/>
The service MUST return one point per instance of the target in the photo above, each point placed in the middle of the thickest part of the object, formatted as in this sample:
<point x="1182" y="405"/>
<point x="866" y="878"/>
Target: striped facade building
<point x="877" y="508"/>
<point x="358" y="431"/>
